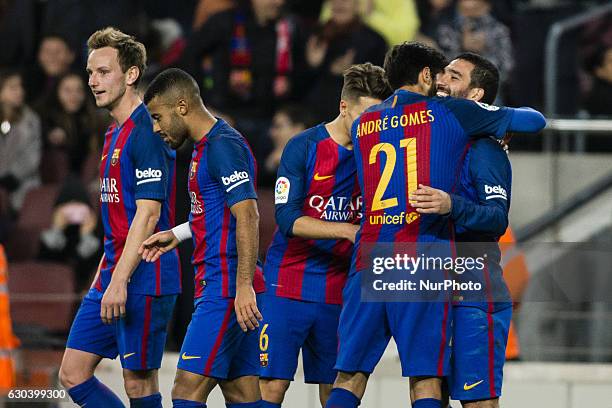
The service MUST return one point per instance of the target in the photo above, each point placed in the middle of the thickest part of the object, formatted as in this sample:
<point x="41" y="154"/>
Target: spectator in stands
<point x="71" y="237"/>
<point x="473" y="28"/>
<point x="70" y="122"/>
<point x="20" y="140"/>
<point x="337" y="44"/>
<point x="432" y="13"/>
<point x="599" y="99"/>
<point x="396" y="20"/>
<point x="17" y="32"/>
<point x="247" y="60"/>
<point x="288" y="121"/>
<point x="75" y="20"/>
<point x="206" y="8"/>
<point x="55" y="58"/>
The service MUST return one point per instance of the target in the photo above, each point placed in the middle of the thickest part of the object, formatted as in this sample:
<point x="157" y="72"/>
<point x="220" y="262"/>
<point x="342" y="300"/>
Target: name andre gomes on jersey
<point x="392" y="122"/>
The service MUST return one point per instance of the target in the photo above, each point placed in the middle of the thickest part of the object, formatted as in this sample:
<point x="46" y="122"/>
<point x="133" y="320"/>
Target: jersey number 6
<point x="264" y="340"/>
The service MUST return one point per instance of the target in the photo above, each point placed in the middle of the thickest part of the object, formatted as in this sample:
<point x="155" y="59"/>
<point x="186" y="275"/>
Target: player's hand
<point x="429" y="200"/>
<point x="505" y="142"/>
<point x="247" y="313"/>
<point x="113" y="302"/>
<point x="157" y="245"/>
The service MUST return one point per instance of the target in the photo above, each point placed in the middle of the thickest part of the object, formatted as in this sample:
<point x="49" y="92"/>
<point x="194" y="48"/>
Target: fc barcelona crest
<point x="263" y="359"/>
<point x="194" y="169"/>
<point x="115" y="157"/>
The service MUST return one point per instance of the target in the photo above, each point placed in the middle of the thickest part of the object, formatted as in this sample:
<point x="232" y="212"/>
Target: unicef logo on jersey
<point x="234" y="180"/>
<point x="281" y="190"/>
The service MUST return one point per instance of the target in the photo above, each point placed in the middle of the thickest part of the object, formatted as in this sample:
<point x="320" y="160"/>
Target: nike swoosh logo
<point x="103" y="157"/>
<point x="321" y="178"/>
<point x="186" y="357"/>
<point x="467" y="387"/>
<point x="128" y="355"/>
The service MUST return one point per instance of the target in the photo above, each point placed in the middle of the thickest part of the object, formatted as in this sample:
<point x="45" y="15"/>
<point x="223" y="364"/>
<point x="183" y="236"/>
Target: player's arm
<point x="479" y="119"/>
<point x="313" y="228"/>
<point x="247" y="246"/>
<point x="490" y="173"/>
<point x="143" y="225"/>
<point x="526" y="120"/>
<point x="290" y="193"/>
<point x="151" y="159"/>
<point x="226" y="157"/>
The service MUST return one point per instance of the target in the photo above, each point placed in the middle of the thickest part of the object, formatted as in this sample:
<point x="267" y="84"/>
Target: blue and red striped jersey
<point x="412" y="139"/>
<point x="316" y="178"/>
<point x="137" y="165"/>
<point x="222" y="173"/>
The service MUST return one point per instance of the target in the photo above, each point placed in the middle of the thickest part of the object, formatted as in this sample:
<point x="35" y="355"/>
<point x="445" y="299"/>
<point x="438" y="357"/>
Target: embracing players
<point x="409" y="140"/>
<point x="127" y="310"/>
<point x="221" y="344"/>
<point x="318" y="208"/>
<point x="479" y="209"/>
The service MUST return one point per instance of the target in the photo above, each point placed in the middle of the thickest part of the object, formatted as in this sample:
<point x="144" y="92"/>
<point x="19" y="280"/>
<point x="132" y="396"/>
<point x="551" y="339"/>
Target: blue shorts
<point x="479" y="353"/>
<point x="421" y="331"/>
<point x="290" y="325"/>
<point x="139" y="338"/>
<point x="215" y="345"/>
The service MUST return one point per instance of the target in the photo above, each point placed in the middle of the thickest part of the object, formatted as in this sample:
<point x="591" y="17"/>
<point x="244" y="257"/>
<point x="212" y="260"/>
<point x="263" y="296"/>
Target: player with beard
<point x="408" y="140"/>
<point x="221" y="344"/>
<point x="479" y="209"/>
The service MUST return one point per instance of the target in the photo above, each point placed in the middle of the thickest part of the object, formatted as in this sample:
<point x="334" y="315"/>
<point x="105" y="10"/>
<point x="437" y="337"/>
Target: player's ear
<point x="132" y="75"/>
<point x="182" y="107"/>
<point x="427" y="76"/>
<point x="343" y="108"/>
<point x="476" y="94"/>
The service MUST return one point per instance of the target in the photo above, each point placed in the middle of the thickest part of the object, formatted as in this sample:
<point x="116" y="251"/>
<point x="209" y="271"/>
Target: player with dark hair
<point x="479" y="210"/>
<point x="318" y="207"/>
<point x="470" y="76"/>
<point x="408" y="140"/>
<point x="221" y="343"/>
<point x="130" y="303"/>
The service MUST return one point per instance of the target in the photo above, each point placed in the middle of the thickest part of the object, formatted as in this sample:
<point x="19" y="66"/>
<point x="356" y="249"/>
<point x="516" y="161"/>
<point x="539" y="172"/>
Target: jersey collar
<point x="212" y="132"/>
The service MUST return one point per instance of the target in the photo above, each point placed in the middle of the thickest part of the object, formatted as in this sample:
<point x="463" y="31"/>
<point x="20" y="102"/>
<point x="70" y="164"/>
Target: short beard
<point x="461" y="95"/>
<point x="180" y="130"/>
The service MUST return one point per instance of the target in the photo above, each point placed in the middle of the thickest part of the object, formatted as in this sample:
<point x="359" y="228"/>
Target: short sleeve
<point x="480" y="119"/>
<point x="289" y="191"/>
<point x="231" y="163"/>
<point x="152" y="159"/>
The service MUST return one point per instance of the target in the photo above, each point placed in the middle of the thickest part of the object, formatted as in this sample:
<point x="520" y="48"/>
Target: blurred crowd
<point x="270" y="67"/>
